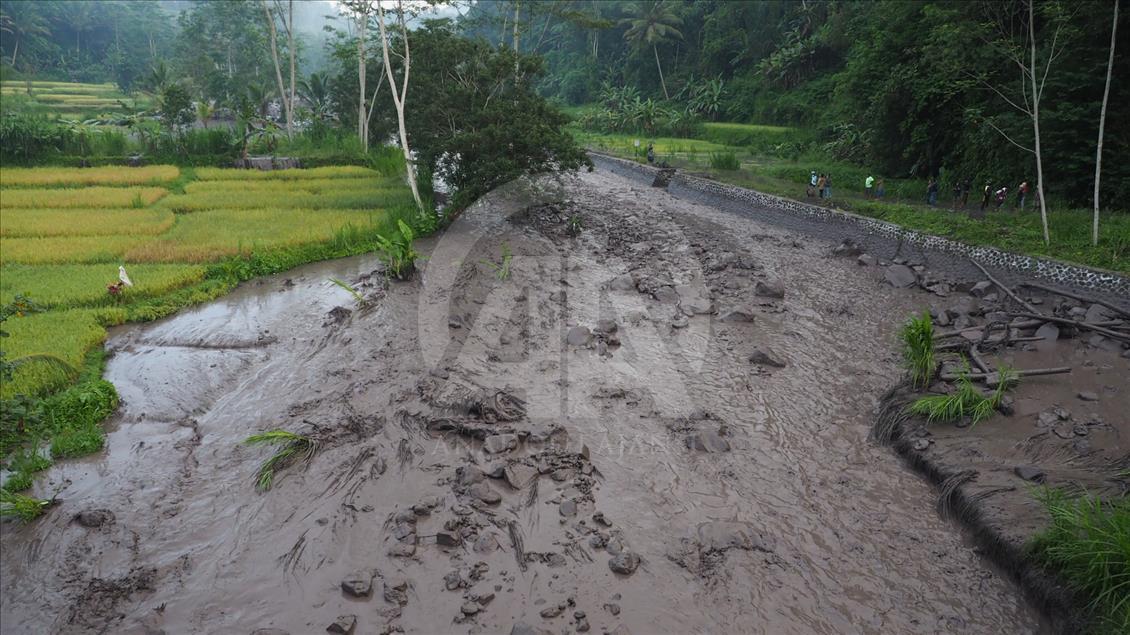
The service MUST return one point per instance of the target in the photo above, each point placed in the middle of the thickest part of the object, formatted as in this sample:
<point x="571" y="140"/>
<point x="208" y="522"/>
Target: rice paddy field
<point x="65" y="231"/>
<point x="64" y="99"/>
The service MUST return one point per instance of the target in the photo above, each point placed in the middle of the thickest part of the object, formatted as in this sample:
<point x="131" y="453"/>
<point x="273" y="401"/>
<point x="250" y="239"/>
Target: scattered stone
<point x="922" y="444"/>
<point x="1048" y="333"/>
<point x="666" y="295"/>
<point x="1032" y="474"/>
<point x="612" y="608"/>
<point x="344" y="625"/>
<point x="847" y="248"/>
<point x="606" y="327"/>
<point x="769" y="289"/>
<point x="553" y="611"/>
<point x="358" y="584"/>
<point x="519" y="475"/>
<point x="622" y="283"/>
<point x="679" y="322"/>
<point x="396" y="592"/>
<point x="485" y="493"/>
<point x="692" y="301"/>
<point x="582" y="625"/>
<point x="402" y="550"/>
<point x="599" y="519"/>
<point x="707" y="441"/>
<point x="568" y="508"/>
<point x="1007" y="406"/>
<point x="980" y="289"/>
<point x="1079" y="430"/>
<point x="469" y="475"/>
<point x="738" y="315"/>
<point x="269" y="631"/>
<point x="448" y="539"/>
<point x="579" y="336"/>
<point x="499" y="443"/>
<point x="1097" y="313"/>
<point x="94" y="518"/>
<point x="470" y="608"/>
<point x="624" y="563"/>
<point x="1087" y="395"/>
<point x="900" y="276"/>
<point x="867" y="260"/>
<point x="765" y="357"/>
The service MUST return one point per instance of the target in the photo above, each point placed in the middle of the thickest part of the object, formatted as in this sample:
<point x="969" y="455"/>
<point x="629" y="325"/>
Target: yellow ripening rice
<point x="85" y="285"/>
<point x="63" y="249"/>
<point x="109" y="175"/>
<point x="216" y="234"/>
<point x="329" y="172"/>
<point x="284" y="199"/>
<point x="84" y="222"/>
<point x="93" y="197"/>
<point x="64" y="334"/>
<point x="45" y="84"/>
<point x="312" y="186"/>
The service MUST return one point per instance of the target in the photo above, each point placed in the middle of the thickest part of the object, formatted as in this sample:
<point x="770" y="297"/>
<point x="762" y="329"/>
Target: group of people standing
<point x="874" y="189"/>
<point x="989" y="194"/>
<point x="819" y="185"/>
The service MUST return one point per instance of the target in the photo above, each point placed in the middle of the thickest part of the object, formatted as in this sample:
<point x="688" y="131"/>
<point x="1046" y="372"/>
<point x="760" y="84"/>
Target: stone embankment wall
<point x="880" y="238"/>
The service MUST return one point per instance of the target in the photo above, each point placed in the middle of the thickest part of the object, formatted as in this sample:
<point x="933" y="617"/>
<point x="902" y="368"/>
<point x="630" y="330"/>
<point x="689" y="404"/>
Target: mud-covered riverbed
<point x="657" y="425"/>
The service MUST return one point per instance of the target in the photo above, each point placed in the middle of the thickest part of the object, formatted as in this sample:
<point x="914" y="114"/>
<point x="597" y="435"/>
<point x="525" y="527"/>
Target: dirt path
<point x="744" y="497"/>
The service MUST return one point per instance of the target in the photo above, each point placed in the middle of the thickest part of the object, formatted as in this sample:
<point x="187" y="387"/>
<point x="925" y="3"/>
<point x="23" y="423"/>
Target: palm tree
<point x="654" y="24"/>
<point x="23" y="20"/>
<point x="315" y="91"/>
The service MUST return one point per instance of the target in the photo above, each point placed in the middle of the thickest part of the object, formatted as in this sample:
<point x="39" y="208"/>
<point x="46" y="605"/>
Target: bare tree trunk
<point x="1036" y="121"/>
<point x="362" y="123"/>
<point x="278" y="69"/>
<point x="662" y="82"/>
<point x="293" y="54"/>
<point x="15" y="51"/>
<point x="517" y="9"/>
<point x="1102" y="125"/>
<point x="400" y="94"/>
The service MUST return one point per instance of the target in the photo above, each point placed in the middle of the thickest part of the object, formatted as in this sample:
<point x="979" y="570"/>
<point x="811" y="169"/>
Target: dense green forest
<point x="907" y="88"/>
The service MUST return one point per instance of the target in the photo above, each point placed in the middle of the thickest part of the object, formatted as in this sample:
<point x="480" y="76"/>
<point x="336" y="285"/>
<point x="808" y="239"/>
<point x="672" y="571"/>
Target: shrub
<point x="725" y="161"/>
<point x="396" y="251"/>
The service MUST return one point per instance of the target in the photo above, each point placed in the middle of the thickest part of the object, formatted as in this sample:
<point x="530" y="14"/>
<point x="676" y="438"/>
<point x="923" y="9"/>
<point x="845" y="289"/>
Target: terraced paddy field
<point x="66" y="99"/>
<point x="183" y="236"/>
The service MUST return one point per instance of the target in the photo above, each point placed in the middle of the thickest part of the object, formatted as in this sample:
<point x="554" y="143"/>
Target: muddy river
<point x="653" y="418"/>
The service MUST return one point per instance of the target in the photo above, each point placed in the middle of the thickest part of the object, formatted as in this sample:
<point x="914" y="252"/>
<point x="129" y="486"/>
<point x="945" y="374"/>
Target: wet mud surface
<point x="657" y="425"/>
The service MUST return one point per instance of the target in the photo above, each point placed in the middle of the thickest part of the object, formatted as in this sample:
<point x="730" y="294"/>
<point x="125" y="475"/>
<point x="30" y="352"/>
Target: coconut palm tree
<point x="654" y="24"/>
<point x="24" y="21"/>
<point x="315" y="91"/>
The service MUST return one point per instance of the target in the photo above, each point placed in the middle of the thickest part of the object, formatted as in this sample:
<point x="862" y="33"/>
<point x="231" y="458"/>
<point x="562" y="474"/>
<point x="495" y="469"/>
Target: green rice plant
<point x="1088" y="544"/>
<point x="87" y="197"/>
<point x="292" y="448"/>
<point x="280" y="198"/>
<point x="73" y="286"/>
<point x="966" y="401"/>
<point x="300" y="186"/>
<point x="575" y="224"/>
<point x="329" y="172"/>
<point x="108" y="175"/>
<point x="725" y="161"/>
<point x="502" y="268"/>
<point x="396" y="251"/>
<point x="918" y="349"/>
<point x="25" y="508"/>
<point x="41" y="223"/>
<point x="66" y="335"/>
<point x="360" y="299"/>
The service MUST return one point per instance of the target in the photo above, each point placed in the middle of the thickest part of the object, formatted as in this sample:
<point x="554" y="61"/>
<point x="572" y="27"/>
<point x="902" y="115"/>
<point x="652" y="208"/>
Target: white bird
<point x="123" y="276"/>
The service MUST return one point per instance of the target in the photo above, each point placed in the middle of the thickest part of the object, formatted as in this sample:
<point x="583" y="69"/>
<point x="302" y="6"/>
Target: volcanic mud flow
<point x="652" y="418"/>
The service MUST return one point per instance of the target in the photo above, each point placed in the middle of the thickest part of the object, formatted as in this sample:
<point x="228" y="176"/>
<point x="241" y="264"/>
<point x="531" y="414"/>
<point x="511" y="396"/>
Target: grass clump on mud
<point x="918" y="349"/>
<point x="25" y="508"/>
<point x="1088" y="543"/>
<point x="966" y="401"/>
<point x="292" y="448"/>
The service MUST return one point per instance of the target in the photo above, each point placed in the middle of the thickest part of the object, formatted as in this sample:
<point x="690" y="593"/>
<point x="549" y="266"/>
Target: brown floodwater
<point x="747" y="494"/>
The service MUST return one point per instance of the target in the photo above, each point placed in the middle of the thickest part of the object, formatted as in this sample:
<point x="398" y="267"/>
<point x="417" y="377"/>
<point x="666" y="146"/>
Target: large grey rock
<point x="847" y="248"/>
<point x="519" y="475"/>
<point x="738" y="314"/>
<point x="358" y="584"/>
<point x="579" y="336"/>
<point x="1097" y="313"/>
<point x="624" y="563"/>
<point x="900" y="276"/>
<point x="769" y="289"/>
<point x="666" y="295"/>
<point x="343" y="625"/>
<point x="485" y="493"/>
<point x="622" y="283"/>
<point x="1033" y="474"/>
<point x="980" y="289"/>
<point x="1048" y="333"/>
<point x="499" y="443"/>
<point x="765" y="357"/>
<point x="707" y="441"/>
<point x="867" y="260"/>
<point x="693" y="299"/>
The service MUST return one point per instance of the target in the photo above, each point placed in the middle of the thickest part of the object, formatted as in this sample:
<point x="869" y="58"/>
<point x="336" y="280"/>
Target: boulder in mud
<point x="485" y="493"/>
<point x="1087" y="395"/>
<point x="722" y="535"/>
<point x="1048" y="334"/>
<point x="1033" y="474"/>
<point x="95" y="518"/>
<point x="666" y="295"/>
<point x="469" y="475"/>
<point x="448" y="539"/>
<point x="579" y="336"/>
<point x="522" y="628"/>
<point x="693" y="299"/>
<point x="606" y="327"/>
<point x="765" y="357"/>
<point x="900" y="276"/>
<point x="567" y="508"/>
<point x="622" y="283"/>
<point x="519" y="475"/>
<point x="867" y="260"/>
<point x="847" y="248"/>
<point x="708" y="441"/>
<point x="343" y="625"/>
<point x="1097" y="313"/>
<point x="980" y="289"/>
<point x="624" y="563"/>
<point x="500" y="443"/>
<point x="769" y="289"/>
<point x="358" y="584"/>
<point x="269" y="631"/>
<point x="396" y="592"/>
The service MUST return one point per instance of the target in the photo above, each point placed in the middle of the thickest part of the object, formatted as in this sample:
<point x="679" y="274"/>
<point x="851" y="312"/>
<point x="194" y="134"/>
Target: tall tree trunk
<point x="399" y="95"/>
<point x="662" y="82"/>
<point x="15" y="50"/>
<point x="1102" y="125"/>
<point x="517" y="9"/>
<point x="1036" y="121"/>
<point x="293" y="54"/>
<point x="278" y="69"/>
<point x="362" y="123"/>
